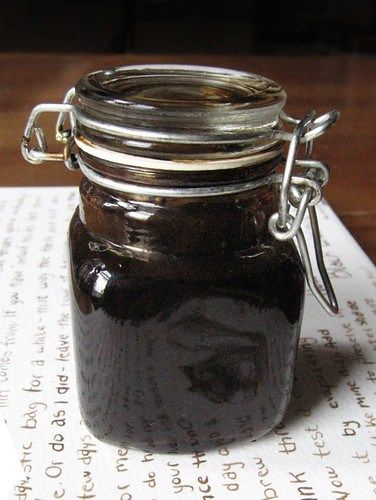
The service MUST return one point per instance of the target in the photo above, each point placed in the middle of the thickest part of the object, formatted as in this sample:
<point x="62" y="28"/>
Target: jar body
<point x="186" y="318"/>
<point x="186" y="311"/>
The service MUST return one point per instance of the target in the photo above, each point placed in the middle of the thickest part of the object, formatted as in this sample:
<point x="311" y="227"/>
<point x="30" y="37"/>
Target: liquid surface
<point x="183" y="352"/>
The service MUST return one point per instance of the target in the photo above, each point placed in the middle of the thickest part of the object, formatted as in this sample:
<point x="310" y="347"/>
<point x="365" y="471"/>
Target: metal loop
<point x="41" y="154"/>
<point x="314" y="187"/>
<point x="172" y="192"/>
<point x="318" y="127"/>
<point x="283" y="234"/>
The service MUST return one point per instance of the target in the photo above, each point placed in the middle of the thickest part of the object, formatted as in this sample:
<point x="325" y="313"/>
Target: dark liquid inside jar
<point x="186" y="318"/>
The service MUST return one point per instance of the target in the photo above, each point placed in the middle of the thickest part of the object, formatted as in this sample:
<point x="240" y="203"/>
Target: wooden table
<point x="321" y="83"/>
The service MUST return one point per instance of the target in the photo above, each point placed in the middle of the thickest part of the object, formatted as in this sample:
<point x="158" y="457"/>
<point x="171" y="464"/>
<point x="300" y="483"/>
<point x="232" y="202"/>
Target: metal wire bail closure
<point x="304" y="192"/>
<point x="300" y="191"/>
<point x="40" y="154"/>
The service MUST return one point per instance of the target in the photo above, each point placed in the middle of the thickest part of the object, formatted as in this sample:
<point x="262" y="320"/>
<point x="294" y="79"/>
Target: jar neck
<point x="212" y="224"/>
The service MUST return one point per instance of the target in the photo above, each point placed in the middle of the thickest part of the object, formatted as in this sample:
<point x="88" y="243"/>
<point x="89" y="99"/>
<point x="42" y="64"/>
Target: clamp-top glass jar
<point x="187" y="288"/>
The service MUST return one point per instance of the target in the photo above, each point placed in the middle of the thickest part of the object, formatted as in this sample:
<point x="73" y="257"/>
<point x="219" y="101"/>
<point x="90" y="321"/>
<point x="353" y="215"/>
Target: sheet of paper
<point x="324" y="449"/>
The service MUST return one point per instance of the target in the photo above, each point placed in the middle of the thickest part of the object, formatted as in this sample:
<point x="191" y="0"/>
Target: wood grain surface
<point x="344" y="82"/>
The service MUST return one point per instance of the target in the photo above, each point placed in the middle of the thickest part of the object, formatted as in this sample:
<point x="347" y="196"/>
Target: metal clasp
<point x="40" y="154"/>
<point x="304" y="192"/>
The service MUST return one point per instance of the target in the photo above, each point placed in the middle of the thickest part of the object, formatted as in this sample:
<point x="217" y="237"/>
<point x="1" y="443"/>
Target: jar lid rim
<point x="169" y="88"/>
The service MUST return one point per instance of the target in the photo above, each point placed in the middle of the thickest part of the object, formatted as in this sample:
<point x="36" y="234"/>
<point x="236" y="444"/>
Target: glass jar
<point x="187" y="288"/>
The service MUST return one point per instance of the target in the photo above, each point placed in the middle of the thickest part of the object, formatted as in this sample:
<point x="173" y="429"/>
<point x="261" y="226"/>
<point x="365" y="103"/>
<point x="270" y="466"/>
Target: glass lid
<point x="166" y="97"/>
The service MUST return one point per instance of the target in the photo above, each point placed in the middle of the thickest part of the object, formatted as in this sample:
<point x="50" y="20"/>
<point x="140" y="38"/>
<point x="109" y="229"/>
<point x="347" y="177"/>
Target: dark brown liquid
<point x="183" y="346"/>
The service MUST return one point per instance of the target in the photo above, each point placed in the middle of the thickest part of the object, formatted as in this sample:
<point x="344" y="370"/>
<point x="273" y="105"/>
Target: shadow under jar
<point x="186" y="310"/>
